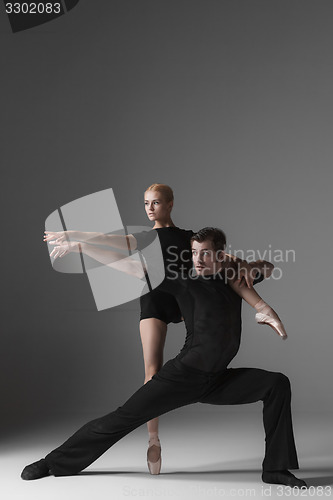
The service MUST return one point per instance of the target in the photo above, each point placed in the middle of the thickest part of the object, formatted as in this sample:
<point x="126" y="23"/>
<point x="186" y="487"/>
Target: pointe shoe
<point x="276" y="324"/>
<point x="154" y="458"/>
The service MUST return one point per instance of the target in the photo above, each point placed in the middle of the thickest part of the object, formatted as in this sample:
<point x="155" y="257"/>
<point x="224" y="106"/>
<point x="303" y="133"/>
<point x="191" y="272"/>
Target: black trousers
<point x="176" y="385"/>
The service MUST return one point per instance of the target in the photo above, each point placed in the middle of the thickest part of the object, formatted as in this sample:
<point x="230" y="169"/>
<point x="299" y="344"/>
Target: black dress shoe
<point x="283" y="477"/>
<point x="35" y="471"/>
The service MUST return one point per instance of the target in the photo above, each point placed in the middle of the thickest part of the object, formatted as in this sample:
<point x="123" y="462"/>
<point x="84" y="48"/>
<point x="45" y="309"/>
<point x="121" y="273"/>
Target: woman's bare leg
<point x="248" y="294"/>
<point x="153" y="332"/>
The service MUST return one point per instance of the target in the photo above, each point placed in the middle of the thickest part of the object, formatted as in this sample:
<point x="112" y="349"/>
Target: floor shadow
<point x="323" y="477"/>
<point x="202" y="475"/>
<point x="319" y="481"/>
<point x="194" y="475"/>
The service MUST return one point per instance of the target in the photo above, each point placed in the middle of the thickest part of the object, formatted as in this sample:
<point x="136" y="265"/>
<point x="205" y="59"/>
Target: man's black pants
<point x="177" y="385"/>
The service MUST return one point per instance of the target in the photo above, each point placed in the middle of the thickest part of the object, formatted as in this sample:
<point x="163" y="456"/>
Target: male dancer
<point x="199" y="373"/>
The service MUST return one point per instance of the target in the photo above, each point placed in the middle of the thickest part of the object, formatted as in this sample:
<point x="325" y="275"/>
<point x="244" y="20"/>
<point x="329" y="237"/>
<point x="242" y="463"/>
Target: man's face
<point x="205" y="259"/>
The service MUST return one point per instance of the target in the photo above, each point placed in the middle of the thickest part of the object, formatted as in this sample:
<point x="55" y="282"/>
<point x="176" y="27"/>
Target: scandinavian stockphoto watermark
<point x="260" y="260"/>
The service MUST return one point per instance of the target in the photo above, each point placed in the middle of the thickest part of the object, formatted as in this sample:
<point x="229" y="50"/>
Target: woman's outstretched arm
<point x="114" y="240"/>
<point x="116" y="260"/>
<point x="248" y="294"/>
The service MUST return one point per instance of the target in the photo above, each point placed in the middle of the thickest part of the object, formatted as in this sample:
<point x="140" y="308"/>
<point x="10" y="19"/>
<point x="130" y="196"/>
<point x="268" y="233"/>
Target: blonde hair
<point x="165" y="190"/>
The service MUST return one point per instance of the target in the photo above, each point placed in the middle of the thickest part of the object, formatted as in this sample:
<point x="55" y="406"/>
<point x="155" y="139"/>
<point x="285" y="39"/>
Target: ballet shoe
<point x="154" y="458"/>
<point x="283" y="477"/>
<point x="276" y="324"/>
<point x="36" y="470"/>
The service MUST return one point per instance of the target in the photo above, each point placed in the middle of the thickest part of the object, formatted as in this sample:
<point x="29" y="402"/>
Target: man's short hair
<point x="215" y="235"/>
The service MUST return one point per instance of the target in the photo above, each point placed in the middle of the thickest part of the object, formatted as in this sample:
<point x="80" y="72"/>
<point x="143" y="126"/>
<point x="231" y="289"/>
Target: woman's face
<point x="157" y="208"/>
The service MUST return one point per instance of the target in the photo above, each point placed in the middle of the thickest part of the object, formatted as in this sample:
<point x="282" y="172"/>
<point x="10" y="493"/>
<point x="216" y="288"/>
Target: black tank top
<point x="175" y="246"/>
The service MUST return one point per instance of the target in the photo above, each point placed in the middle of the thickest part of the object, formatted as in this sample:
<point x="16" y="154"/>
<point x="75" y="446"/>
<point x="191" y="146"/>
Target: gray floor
<point x="205" y="454"/>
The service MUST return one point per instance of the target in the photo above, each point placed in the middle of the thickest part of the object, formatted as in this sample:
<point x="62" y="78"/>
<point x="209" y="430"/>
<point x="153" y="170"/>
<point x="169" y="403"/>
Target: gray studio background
<point x="230" y="103"/>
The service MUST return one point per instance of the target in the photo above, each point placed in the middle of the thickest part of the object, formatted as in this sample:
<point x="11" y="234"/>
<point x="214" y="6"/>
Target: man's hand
<point x="263" y="267"/>
<point x="241" y="272"/>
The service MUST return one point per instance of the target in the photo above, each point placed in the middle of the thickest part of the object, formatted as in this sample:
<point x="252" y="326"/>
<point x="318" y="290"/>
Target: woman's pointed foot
<point x="154" y="458"/>
<point x="276" y="324"/>
<point x="267" y="316"/>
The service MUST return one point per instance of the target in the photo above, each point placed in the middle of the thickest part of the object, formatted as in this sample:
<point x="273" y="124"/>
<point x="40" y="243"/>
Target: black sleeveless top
<point x="177" y="257"/>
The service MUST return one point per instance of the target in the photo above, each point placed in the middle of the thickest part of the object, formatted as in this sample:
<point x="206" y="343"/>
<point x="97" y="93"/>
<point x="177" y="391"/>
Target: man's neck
<point x="213" y="273"/>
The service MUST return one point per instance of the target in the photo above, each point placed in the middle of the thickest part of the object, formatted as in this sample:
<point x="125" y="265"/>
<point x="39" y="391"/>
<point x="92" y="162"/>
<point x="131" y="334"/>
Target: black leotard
<point x="176" y="250"/>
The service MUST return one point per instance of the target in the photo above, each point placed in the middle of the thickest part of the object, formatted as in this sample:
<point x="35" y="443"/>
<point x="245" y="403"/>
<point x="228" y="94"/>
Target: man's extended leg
<point x="248" y="385"/>
<point x="171" y="388"/>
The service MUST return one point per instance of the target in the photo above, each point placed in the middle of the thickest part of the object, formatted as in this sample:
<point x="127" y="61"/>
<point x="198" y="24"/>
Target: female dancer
<point x="158" y="308"/>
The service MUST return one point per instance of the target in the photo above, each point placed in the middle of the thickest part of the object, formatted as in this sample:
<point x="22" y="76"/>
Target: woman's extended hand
<point x="64" y="248"/>
<point x="58" y="236"/>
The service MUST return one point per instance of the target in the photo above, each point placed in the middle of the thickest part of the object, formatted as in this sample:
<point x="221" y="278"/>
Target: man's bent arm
<point x="248" y="272"/>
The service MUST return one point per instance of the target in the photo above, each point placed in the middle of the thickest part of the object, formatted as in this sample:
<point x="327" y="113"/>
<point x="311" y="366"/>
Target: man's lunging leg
<point x="248" y="385"/>
<point x="169" y="389"/>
